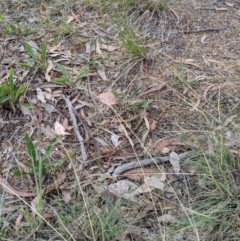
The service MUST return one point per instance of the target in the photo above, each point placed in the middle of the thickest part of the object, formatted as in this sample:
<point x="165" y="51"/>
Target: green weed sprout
<point x="66" y="79"/>
<point x="39" y="165"/>
<point x="39" y="57"/>
<point x="8" y="91"/>
<point x="132" y="102"/>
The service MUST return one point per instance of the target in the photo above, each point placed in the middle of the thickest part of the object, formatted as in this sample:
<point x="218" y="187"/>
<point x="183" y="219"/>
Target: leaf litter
<point x="55" y="108"/>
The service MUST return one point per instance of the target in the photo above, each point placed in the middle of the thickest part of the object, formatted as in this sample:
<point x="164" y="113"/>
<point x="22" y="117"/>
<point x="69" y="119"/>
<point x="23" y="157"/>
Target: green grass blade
<point x="20" y="90"/>
<point x="10" y="78"/>
<point x="49" y="148"/>
<point x="135" y="92"/>
<point x="83" y="72"/>
<point x="62" y="80"/>
<point x="4" y="99"/>
<point x="31" y="52"/>
<point x="31" y="149"/>
<point x="44" y="53"/>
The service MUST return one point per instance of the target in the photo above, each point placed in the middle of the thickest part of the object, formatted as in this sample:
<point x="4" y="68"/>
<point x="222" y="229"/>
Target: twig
<point x="200" y="30"/>
<point x="205" y="8"/>
<point x="76" y="131"/>
<point x="87" y="130"/>
<point x="135" y="164"/>
<point x="88" y="77"/>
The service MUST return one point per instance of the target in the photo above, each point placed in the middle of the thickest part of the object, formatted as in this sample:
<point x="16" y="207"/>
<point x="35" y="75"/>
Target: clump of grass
<point x="38" y="58"/>
<point x="78" y="218"/>
<point x="159" y="5"/>
<point x="178" y="75"/>
<point x="118" y="13"/>
<point x="65" y="79"/>
<point x="39" y="166"/>
<point x="215" y="210"/>
<point x="131" y="43"/>
<point x="9" y="92"/>
<point x="130" y="103"/>
<point x="18" y="28"/>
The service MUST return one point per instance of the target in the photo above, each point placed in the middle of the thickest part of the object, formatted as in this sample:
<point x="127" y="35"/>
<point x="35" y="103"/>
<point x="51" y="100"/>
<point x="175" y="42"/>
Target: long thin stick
<point x="200" y="30"/>
<point x="135" y="164"/>
<point x="76" y="131"/>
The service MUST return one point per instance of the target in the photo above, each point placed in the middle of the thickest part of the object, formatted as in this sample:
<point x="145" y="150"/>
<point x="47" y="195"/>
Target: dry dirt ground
<point x="190" y="76"/>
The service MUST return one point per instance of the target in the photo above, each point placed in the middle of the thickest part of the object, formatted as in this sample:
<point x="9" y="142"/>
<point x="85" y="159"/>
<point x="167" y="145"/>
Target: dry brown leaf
<point x="23" y="167"/>
<point x="165" y="150"/>
<point x="220" y="86"/>
<point x="55" y="184"/>
<point x="166" y="205"/>
<point x="155" y="181"/>
<point x="107" y="98"/>
<point x="144" y="136"/>
<point x="89" y="48"/>
<point x="98" y="50"/>
<point x="174" y="160"/>
<point x="66" y="196"/>
<point x="60" y="129"/>
<point x="21" y="99"/>
<point x="34" y="207"/>
<point x="139" y="173"/>
<point x="124" y="188"/>
<point x="153" y="125"/>
<point x="162" y="144"/>
<point x="33" y="44"/>
<point x="47" y="215"/>
<point x="52" y="49"/>
<point x="39" y="113"/>
<point x="108" y="47"/>
<point x="57" y="93"/>
<point x="214" y="87"/>
<point x="166" y="218"/>
<point x="9" y="189"/>
<point x="191" y="62"/>
<point x="49" y="68"/>
<point x="146" y="121"/>
<point x="65" y="123"/>
<point x="207" y="89"/>
<point x="221" y="9"/>
<point x="152" y="89"/>
<point x="70" y="19"/>
<point x="102" y="142"/>
<point x="18" y="222"/>
<point x="82" y="113"/>
<point x="122" y="129"/>
<point x="102" y="73"/>
<point x="41" y="95"/>
<point x="75" y="99"/>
